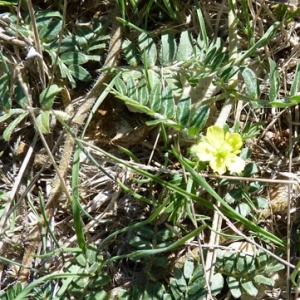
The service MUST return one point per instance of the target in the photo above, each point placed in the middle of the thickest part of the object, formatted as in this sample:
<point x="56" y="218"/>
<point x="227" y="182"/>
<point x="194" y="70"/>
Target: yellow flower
<point x="220" y="150"/>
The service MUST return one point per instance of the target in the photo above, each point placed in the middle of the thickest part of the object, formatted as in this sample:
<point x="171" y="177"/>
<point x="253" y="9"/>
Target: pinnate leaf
<point x="249" y="287"/>
<point x="143" y="94"/>
<point x="251" y="83"/>
<point x="261" y="279"/>
<point x="185" y="48"/>
<point x="188" y="268"/>
<point x="80" y="72"/>
<point x="148" y="50"/>
<point x="12" y="125"/>
<point x="155" y="97"/>
<point x="183" y="110"/>
<point x="274" y="80"/>
<point x="131" y="53"/>
<point x="167" y="103"/>
<point x="48" y="95"/>
<point x="217" y="283"/>
<point x="234" y="286"/>
<point x="42" y="121"/>
<point x="168" y="49"/>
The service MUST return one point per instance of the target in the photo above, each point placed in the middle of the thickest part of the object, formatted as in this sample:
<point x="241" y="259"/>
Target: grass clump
<point x="183" y="184"/>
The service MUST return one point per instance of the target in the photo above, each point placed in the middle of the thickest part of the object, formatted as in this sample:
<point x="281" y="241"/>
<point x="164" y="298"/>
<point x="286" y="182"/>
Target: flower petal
<point x="217" y="164"/>
<point x="235" y="141"/>
<point x="236" y="165"/>
<point x="204" y="151"/>
<point x="215" y="136"/>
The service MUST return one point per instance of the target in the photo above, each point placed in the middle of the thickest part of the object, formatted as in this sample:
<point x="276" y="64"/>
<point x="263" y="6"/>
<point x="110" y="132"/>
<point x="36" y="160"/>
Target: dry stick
<point x="289" y="225"/>
<point x="296" y="133"/>
<point x="78" y="120"/>
<point x="33" y="181"/>
<point x="16" y="185"/>
<point x="12" y="40"/>
<point x="222" y="119"/>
